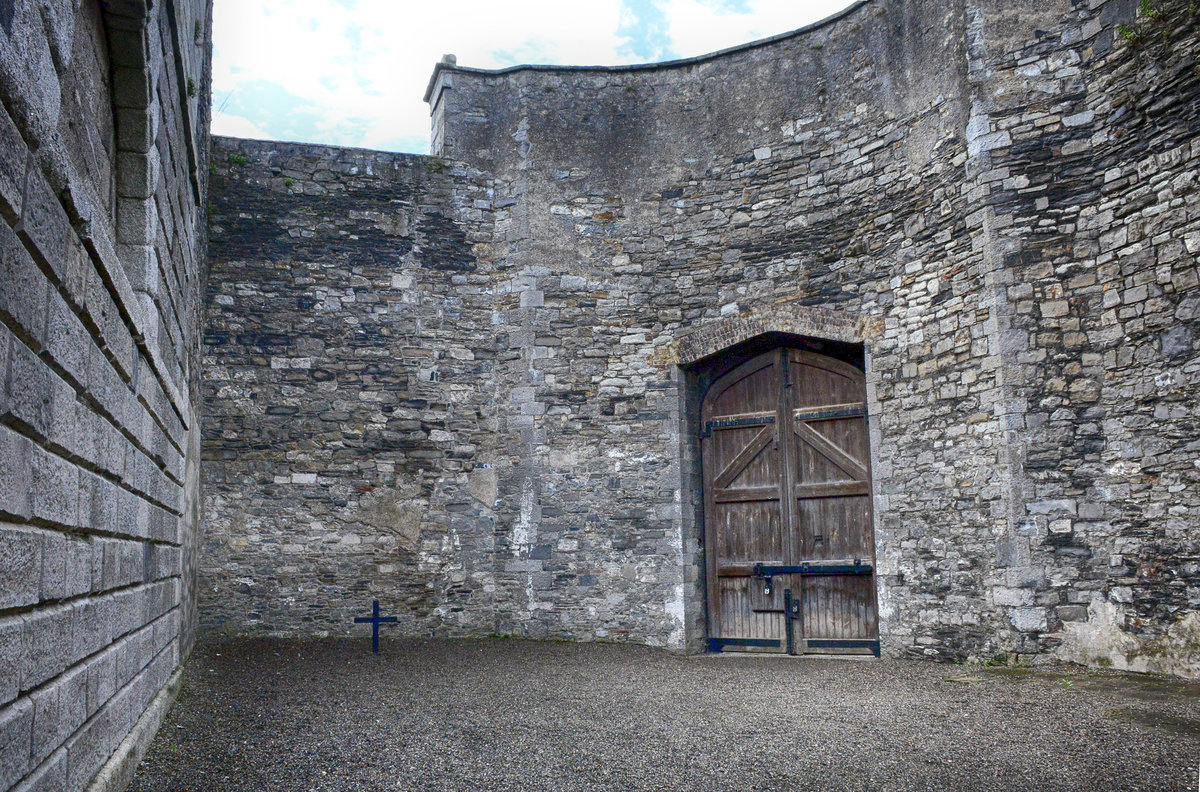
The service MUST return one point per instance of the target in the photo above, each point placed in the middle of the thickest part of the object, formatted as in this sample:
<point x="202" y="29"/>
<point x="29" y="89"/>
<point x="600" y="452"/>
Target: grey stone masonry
<point x="103" y="157"/>
<point x="467" y="384"/>
<point x="348" y="392"/>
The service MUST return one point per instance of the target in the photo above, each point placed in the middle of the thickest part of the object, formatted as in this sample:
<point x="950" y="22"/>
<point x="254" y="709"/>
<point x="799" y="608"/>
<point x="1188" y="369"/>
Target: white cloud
<point x="362" y="70"/>
<point x="236" y="126"/>
<point x="700" y="26"/>
<point x="354" y="72"/>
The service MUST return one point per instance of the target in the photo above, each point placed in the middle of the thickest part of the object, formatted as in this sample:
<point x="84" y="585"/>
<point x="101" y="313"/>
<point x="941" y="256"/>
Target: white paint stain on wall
<point x="1102" y="641"/>
<point x="524" y="531"/>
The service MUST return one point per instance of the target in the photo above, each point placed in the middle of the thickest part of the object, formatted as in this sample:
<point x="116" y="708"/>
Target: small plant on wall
<point x="1130" y="34"/>
<point x="1151" y="19"/>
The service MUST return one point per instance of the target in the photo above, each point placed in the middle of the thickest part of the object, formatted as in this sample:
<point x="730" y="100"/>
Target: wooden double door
<point x="787" y="507"/>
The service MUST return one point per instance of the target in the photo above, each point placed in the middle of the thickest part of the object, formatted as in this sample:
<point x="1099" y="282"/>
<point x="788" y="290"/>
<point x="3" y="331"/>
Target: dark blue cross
<point x="375" y="619"/>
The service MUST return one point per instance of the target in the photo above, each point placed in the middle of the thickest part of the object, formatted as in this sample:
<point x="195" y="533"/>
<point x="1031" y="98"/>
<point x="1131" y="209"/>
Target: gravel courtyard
<point x="521" y="715"/>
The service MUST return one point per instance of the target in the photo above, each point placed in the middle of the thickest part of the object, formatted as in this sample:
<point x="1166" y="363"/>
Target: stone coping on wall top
<point x="671" y="64"/>
<point x="227" y="142"/>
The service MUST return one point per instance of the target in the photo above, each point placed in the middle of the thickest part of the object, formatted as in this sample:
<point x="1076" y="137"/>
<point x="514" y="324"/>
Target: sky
<point x="353" y="72"/>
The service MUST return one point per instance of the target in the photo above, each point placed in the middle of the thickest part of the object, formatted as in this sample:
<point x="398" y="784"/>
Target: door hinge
<point x="736" y="423"/>
<point x="855" y="567"/>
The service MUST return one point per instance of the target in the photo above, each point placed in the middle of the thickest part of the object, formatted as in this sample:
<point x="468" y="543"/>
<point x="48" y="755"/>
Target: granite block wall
<point x="994" y="201"/>
<point x="103" y="141"/>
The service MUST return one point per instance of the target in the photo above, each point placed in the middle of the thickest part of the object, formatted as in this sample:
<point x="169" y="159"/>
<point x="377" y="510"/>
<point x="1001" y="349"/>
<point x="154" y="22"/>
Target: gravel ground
<point x="520" y="715"/>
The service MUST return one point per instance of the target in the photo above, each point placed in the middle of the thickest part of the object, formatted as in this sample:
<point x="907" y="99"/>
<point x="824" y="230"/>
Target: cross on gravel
<point x="375" y="619"/>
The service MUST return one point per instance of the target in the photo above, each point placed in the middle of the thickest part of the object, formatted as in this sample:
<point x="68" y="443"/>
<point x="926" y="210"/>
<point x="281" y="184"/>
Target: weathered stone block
<point x="131" y="88"/>
<point x="1012" y="551"/>
<point x="1012" y="597"/>
<point x="20" y="566"/>
<point x="89" y="747"/>
<point x="1177" y="342"/>
<point x="128" y="47"/>
<point x="109" y="508"/>
<point x="136" y="129"/>
<point x="23" y="297"/>
<point x="45" y="225"/>
<point x="129" y="611"/>
<point x="27" y="70"/>
<point x="54" y="493"/>
<point x="132" y="563"/>
<point x="6" y="341"/>
<point x="101" y="680"/>
<point x="45" y="723"/>
<point x="92" y="626"/>
<point x="137" y="221"/>
<point x="13" y="160"/>
<point x="10" y="658"/>
<point x="1025" y="577"/>
<point x="29" y="388"/>
<point x="1028" y="619"/>
<point x="16" y="735"/>
<point x="111" y="569"/>
<point x="165" y="562"/>
<point x="133" y="654"/>
<point x="138" y="174"/>
<point x="66" y="340"/>
<point x="1071" y="613"/>
<point x="46" y="642"/>
<point x="54" y="565"/>
<point x="78" y="572"/>
<point x="50" y="777"/>
<point x="72" y="701"/>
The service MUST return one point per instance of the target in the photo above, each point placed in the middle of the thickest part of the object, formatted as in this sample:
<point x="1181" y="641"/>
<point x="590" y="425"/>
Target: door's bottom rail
<point x="719" y="644"/>
<point x="843" y="643"/>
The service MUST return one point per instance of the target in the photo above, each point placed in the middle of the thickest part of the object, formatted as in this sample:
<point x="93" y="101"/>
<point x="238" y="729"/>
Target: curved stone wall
<point x="995" y="199"/>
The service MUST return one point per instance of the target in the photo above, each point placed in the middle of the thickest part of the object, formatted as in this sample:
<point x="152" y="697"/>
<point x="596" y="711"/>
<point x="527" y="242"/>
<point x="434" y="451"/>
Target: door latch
<point x="791" y="611"/>
<point x="763" y="575"/>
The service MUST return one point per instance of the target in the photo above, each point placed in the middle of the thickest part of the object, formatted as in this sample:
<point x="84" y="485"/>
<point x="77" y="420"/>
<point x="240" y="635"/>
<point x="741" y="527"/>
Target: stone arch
<point x="792" y="320"/>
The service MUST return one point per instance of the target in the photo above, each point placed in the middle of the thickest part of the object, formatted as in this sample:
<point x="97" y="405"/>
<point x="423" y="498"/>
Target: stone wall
<point x="1094" y="213"/>
<point x="348" y="392"/>
<point x="993" y="199"/>
<point x="103" y="143"/>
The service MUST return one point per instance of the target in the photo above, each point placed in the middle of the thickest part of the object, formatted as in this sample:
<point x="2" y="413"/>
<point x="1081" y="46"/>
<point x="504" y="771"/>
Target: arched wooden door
<point x="787" y="507"/>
